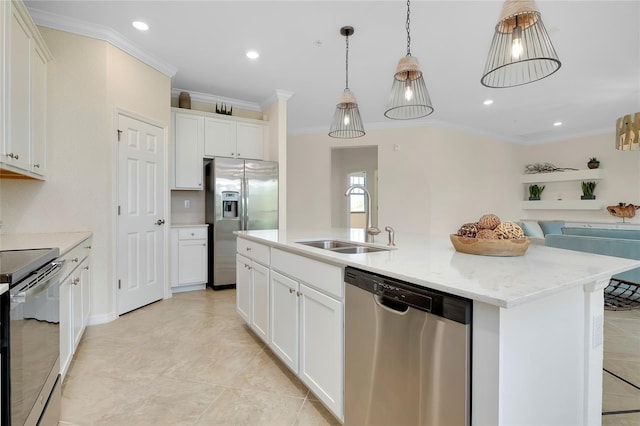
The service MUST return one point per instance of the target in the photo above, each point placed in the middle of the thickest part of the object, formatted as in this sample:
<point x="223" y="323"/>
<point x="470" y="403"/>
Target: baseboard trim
<point x="102" y="319"/>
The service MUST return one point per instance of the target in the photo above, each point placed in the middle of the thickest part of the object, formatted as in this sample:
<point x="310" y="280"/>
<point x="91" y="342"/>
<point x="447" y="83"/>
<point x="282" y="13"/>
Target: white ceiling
<point x="301" y="51"/>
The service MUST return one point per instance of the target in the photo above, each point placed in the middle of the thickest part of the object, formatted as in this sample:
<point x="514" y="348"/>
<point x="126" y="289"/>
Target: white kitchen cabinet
<point x="23" y="81"/>
<point x="252" y="286"/>
<point x="234" y="137"/>
<point x="188" y="139"/>
<point x="284" y="305"/>
<point x="75" y="300"/>
<point x="307" y="323"/>
<point x="189" y="258"/>
<point x="322" y="347"/>
<point x="243" y="288"/>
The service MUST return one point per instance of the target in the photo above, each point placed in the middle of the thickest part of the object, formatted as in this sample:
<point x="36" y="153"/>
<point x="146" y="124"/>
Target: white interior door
<point x="141" y="218"/>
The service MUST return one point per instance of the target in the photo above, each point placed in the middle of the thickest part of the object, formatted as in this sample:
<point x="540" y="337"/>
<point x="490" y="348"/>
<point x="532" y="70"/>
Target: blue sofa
<point x="611" y="242"/>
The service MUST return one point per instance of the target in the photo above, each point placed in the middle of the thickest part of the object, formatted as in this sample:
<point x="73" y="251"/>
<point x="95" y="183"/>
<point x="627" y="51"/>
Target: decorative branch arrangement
<point x="222" y="109"/>
<point x="544" y="168"/>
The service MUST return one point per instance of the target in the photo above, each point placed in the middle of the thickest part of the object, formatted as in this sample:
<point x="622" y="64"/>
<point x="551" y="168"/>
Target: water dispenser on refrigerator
<point x="230" y="204"/>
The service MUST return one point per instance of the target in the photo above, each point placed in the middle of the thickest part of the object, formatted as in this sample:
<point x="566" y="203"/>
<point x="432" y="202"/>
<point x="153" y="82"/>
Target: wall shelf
<point x="569" y="175"/>
<point x="562" y="205"/>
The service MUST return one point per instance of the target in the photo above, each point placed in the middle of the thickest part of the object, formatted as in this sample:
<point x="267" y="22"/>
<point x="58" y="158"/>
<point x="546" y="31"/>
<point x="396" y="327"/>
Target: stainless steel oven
<point x="33" y="337"/>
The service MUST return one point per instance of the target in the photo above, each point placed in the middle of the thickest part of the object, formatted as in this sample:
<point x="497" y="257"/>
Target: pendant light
<point x="409" y="97"/>
<point x="628" y="132"/>
<point x="521" y="51"/>
<point x="346" y="122"/>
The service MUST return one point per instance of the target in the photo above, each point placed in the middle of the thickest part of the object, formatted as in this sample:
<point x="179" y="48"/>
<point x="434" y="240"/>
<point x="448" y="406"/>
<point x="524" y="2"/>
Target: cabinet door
<point x="38" y="111"/>
<point x="260" y="300"/>
<point x="18" y="140"/>
<point x="250" y="140"/>
<point x="322" y="347"/>
<point x="192" y="262"/>
<point x="66" y="331"/>
<point x="85" y="280"/>
<point x="77" y="321"/>
<point x="188" y="148"/>
<point x="219" y="138"/>
<point x="243" y="288"/>
<point x="284" y="319"/>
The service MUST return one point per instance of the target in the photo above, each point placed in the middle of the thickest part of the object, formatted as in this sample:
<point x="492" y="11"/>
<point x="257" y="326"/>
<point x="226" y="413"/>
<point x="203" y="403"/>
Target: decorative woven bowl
<point x="486" y="247"/>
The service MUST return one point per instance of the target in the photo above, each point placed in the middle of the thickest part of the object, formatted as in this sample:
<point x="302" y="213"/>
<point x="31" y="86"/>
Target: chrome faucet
<point x="371" y="231"/>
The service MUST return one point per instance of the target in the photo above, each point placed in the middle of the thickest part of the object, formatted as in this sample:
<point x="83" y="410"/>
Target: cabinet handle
<point x="12" y="155"/>
<point x="232" y="153"/>
<point x="239" y="155"/>
<point x="291" y="290"/>
<point x="75" y="281"/>
<point x="192" y="234"/>
<point x="37" y="166"/>
<point x="248" y="248"/>
<point x="299" y="294"/>
<point x="86" y="267"/>
<point x="88" y="247"/>
<point x="203" y="245"/>
<point x="75" y="260"/>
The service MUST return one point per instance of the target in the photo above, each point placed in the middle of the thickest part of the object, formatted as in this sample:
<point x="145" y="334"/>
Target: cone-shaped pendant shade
<point x="409" y="97"/>
<point x="628" y="132"/>
<point x="346" y="123"/>
<point x="521" y="51"/>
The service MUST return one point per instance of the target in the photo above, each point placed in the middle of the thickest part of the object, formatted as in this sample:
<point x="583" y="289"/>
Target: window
<point x="356" y="199"/>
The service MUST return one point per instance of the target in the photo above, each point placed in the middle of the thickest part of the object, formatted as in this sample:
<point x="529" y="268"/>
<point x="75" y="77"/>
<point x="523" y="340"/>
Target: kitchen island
<point x="537" y="337"/>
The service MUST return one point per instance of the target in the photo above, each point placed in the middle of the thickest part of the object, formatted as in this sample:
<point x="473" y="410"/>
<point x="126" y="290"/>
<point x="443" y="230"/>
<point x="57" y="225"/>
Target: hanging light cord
<point x="408" y="32"/>
<point x="346" y="83"/>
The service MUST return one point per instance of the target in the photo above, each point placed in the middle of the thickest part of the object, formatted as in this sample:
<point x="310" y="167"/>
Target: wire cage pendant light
<point x="409" y="98"/>
<point x="346" y="123"/>
<point x="628" y="132"/>
<point x="521" y="51"/>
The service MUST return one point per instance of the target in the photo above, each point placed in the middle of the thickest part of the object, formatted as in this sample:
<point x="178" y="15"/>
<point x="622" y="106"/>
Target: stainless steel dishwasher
<point x="407" y="353"/>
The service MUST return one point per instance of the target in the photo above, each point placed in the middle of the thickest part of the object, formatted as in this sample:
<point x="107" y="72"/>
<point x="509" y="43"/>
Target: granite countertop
<point x="431" y="261"/>
<point x="64" y="241"/>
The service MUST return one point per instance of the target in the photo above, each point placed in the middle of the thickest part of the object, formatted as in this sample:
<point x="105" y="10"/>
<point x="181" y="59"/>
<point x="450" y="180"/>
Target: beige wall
<point x="87" y="81"/>
<point x="429" y="179"/>
<point x="621" y="182"/>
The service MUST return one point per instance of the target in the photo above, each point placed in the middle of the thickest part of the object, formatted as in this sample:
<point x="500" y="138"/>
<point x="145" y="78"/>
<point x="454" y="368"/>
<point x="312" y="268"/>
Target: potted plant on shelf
<point x="535" y="191"/>
<point x="593" y="163"/>
<point x="587" y="191"/>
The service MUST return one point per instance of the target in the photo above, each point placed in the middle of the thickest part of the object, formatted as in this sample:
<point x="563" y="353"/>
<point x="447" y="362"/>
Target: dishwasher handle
<point x="391" y="305"/>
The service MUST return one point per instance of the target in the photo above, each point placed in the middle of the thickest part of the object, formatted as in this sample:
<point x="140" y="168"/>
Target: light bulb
<point x="408" y="93"/>
<point x="516" y="43"/>
<point x="346" y="120"/>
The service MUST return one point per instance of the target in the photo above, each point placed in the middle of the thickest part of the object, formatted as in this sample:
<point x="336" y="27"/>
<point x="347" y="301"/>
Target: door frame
<point x="114" y="203"/>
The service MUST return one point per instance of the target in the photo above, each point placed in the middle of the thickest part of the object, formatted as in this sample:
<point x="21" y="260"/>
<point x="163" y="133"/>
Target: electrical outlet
<point x="187" y="204"/>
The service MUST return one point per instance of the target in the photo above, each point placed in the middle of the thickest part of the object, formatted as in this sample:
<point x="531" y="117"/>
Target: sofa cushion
<point x="628" y="234"/>
<point x="532" y="229"/>
<point x="551" y="226"/>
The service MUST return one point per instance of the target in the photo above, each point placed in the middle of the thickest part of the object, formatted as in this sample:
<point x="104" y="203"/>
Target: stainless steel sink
<point x="326" y="244"/>
<point x="345" y="247"/>
<point x="357" y="249"/>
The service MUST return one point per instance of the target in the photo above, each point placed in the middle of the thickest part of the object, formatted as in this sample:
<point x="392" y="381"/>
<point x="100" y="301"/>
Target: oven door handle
<point x="46" y="282"/>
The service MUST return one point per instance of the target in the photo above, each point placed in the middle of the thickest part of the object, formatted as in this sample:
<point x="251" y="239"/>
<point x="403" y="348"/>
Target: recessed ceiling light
<point x="139" y="25"/>
<point x="557" y="123"/>
<point x="488" y="102"/>
<point x="252" y="54"/>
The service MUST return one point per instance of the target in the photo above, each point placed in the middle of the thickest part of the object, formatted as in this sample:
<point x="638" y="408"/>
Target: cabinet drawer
<point x="322" y="276"/>
<point x="74" y="257"/>
<point x="199" y="233"/>
<point x="255" y="251"/>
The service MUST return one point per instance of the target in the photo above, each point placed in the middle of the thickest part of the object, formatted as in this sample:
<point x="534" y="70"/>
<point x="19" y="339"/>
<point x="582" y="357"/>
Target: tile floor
<point x="190" y="360"/>
<point x="621" y="379"/>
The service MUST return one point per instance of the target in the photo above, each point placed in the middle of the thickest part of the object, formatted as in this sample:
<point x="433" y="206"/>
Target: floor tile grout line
<point x="622" y="378"/>
<point x="306" y="398"/>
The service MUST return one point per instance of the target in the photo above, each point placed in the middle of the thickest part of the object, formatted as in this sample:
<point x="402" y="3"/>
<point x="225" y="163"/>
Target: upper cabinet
<point x="24" y="87"/>
<point x="198" y="134"/>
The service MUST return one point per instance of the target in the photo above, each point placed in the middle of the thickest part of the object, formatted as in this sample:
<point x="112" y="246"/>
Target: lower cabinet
<point x="307" y="334"/>
<point x="189" y="258"/>
<point x="75" y="301"/>
<point x="252" y="295"/>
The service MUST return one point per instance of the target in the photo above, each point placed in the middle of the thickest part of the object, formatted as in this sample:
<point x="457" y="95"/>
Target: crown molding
<point x="278" y="95"/>
<point x="212" y="99"/>
<point x="100" y="32"/>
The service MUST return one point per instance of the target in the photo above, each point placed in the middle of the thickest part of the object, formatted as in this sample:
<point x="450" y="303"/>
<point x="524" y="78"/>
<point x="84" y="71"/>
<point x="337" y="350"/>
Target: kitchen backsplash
<point x="187" y="207"/>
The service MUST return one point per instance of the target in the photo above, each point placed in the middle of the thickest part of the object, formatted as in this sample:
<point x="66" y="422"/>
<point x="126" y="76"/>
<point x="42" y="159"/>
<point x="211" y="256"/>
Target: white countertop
<point x="64" y="241"/>
<point x="431" y="261"/>
<point x="189" y="225"/>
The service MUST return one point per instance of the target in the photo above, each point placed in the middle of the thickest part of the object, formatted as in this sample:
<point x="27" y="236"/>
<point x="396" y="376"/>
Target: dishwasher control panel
<point x="400" y="293"/>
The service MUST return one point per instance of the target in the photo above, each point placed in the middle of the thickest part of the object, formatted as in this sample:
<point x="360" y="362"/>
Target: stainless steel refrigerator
<point x="239" y="195"/>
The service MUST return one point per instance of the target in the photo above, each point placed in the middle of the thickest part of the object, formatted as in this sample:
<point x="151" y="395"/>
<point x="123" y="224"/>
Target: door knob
<point x="160" y="222"/>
